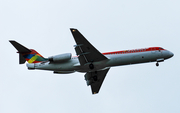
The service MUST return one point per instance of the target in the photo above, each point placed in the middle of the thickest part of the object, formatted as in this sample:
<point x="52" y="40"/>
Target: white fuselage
<point x="114" y="59"/>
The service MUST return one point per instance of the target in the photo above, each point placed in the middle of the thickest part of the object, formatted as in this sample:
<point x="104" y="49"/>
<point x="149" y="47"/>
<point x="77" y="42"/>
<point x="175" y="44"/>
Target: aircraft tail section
<point x="33" y="57"/>
<point x="25" y="54"/>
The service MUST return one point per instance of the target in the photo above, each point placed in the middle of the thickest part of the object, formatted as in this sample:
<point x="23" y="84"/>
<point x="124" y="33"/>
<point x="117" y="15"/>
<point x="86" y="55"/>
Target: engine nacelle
<point x="60" y="58"/>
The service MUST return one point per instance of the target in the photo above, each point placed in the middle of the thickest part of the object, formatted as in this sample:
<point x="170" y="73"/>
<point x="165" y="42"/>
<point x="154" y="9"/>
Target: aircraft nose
<point x="171" y="54"/>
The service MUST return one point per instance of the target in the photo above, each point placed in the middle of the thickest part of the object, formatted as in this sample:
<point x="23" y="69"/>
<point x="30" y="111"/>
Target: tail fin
<point x="25" y="54"/>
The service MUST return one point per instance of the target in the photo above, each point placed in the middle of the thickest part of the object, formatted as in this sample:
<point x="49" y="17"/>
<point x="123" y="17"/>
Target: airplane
<point x="89" y="60"/>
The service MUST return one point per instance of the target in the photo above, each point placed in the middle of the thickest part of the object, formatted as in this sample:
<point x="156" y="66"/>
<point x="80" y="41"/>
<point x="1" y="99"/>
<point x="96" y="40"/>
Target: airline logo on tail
<point x="33" y="57"/>
<point x="25" y="54"/>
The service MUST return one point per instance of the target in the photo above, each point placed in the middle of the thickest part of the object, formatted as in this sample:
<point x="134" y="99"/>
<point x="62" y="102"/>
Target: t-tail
<point x="25" y="54"/>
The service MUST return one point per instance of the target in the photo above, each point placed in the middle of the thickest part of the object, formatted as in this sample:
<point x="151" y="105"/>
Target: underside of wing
<point x="85" y="50"/>
<point x="95" y="79"/>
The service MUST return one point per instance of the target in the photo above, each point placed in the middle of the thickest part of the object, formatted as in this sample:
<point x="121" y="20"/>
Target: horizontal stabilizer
<point x="22" y="60"/>
<point x="19" y="47"/>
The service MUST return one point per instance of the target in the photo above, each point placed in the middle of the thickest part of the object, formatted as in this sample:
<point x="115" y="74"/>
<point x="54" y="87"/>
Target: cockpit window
<point x="160" y="48"/>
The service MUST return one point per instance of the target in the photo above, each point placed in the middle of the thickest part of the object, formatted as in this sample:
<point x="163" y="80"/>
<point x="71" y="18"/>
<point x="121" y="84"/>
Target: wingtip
<point x="73" y="29"/>
<point x="95" y="93"/>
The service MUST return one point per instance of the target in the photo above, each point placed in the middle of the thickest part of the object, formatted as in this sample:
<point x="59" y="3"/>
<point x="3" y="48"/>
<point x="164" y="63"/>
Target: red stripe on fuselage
<point x="134" y="50"/>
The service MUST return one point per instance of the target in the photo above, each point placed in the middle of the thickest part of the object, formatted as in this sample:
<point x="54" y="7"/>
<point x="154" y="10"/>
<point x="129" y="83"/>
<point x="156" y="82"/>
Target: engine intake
<point x="60" y="58"/>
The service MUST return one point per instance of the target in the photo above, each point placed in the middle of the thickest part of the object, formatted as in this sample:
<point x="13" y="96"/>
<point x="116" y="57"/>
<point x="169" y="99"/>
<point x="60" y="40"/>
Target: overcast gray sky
<point x="110" y="26"/>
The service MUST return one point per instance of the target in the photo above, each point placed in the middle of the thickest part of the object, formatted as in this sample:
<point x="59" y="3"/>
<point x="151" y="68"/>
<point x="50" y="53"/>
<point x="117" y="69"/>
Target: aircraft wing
<point x="97" y="81"/>
<point x="86" y="52"/>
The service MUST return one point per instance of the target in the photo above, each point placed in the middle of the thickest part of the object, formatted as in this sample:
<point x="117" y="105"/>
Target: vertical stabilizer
<point x="25" y="54"/>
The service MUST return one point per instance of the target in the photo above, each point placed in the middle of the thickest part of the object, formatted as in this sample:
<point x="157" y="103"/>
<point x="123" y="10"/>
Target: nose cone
<point x="170" y="54"/>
